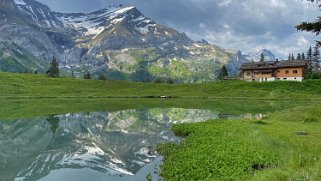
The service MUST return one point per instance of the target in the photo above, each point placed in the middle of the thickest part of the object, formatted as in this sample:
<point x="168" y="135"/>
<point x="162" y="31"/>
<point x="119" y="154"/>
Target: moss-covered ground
<point x="284" y="146"/>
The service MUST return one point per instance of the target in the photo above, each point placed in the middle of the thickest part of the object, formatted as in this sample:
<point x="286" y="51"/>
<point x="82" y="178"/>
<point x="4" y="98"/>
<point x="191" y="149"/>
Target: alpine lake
<point x="104" y="139"/>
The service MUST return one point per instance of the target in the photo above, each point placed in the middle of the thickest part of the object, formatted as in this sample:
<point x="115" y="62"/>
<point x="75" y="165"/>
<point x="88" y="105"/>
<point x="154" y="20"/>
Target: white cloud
<point x="302" y="42"/>
<point x="278" y="3"/>
<point x="225" y="2"/>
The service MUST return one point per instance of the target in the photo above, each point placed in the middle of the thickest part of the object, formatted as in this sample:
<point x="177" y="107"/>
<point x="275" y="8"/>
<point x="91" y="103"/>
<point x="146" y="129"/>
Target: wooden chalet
<point x="288" y="70"/>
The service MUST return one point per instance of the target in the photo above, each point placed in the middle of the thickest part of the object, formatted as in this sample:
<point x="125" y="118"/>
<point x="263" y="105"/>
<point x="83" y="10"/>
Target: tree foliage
<point x="303" y="56"/>
<point x="54" y="123"/>
<point x="87" y="75"/>
<point x="314" y="27"/>
<point x="316" y="57"/>
<point x="102" y="77"/>
<point x="262" y="58"/>
<point x="53" y="70"/>
<point x="310" y="53"/>
<point x="160" y="80"/>
<point x="223" y="73"/>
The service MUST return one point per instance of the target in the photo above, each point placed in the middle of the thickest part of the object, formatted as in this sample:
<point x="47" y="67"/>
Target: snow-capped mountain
<point x="256" y="56"/>
<point x="118" y="42"/>
<point x="93" y="24"/>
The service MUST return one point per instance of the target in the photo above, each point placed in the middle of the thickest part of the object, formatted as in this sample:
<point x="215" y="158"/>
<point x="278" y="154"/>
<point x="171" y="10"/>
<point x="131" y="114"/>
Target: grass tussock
<point x="269" y="149"/>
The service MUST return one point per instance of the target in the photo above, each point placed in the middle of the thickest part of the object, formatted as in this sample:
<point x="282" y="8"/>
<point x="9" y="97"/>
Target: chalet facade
<point x="290" y="70"/>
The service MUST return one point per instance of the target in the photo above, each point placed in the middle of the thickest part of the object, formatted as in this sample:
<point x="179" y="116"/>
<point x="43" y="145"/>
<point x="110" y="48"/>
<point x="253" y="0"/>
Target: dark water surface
<point x="103" y="145"/>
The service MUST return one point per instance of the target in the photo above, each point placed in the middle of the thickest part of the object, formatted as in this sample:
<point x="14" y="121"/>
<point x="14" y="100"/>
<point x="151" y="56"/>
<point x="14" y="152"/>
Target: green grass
<point x="39" y="86"/>
<point x="270" y="149"/>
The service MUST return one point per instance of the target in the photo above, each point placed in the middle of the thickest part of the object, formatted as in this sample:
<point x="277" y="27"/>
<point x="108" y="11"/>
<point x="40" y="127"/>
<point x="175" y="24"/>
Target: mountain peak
<point x="19" y="2"/>
<point x="35" y="5"/>
<point x="256" y="55"/>
<point x="7" y="5"/>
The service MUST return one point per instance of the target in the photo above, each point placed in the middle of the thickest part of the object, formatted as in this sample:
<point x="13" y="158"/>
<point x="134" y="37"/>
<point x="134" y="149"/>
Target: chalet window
<point x="295" y="71"/>
<point x="287" y="72"/>
<point x="248" y="73"/>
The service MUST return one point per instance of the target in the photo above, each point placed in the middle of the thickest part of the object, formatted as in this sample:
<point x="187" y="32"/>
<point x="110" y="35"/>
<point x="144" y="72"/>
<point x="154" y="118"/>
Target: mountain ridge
<point x="256" y="55"/>
<point x="118" y="42"/>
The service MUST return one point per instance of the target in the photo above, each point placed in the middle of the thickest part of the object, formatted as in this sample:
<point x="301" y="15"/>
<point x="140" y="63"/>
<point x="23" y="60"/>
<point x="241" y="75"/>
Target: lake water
<point x="102" y="145"/>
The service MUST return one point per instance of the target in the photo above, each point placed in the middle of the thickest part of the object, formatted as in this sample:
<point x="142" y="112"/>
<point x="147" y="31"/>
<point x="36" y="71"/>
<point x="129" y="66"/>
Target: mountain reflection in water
<point x="115" y="144"/>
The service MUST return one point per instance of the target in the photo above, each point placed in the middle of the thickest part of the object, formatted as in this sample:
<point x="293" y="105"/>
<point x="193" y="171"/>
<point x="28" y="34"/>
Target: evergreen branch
<point x="314" y="27"/>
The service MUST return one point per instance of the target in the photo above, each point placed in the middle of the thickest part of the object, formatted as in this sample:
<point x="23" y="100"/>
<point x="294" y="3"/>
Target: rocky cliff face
<point x="118" y="42"/>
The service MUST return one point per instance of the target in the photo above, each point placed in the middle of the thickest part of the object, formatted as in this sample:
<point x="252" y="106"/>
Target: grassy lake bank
<point x="283" y="146"/>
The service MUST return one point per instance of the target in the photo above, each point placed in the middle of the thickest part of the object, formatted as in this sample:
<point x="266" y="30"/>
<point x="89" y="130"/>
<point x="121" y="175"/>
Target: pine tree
<point x="303" y="56"/>
<point x="309" y="53"/>
<point x="73" y="74"/>
<point x="316" y="57"/>
<point x="292" y="57"/>
<point x="298" y="57"/>
<point x="289" y="58"/>
<point x="223" y="73"/>
<point x="53" y="70"/>
<point x="87" y="75"/>
<point x="262" y="58"/>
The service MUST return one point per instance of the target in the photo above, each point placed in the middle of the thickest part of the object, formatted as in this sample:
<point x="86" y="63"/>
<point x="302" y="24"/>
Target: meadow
<point x="283" y="146"/>
<point x="39" y="86"/>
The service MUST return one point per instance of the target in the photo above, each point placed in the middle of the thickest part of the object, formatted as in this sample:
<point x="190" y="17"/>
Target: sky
<point x="246" y="25"/>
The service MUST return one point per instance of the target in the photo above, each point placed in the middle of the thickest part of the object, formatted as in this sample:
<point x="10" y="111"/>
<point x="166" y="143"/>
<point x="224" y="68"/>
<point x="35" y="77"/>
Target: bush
<point x="102" y="77"/>
<point x="315" y="75"/>
<point x="87" y="75"/>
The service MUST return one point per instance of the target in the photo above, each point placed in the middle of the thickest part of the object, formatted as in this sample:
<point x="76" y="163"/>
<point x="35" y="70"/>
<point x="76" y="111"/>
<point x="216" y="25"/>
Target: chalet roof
<point x="291" y="63"/>
<point x="270" y="65"/>
<point x="258" y="65"/>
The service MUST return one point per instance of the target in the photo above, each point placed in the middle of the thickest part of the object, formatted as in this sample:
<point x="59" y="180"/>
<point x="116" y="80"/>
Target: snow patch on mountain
<point x="96" y="22"/>
<point x="144" y="29"/>
<point x="256" y="56"/>
<point x="19" y="2"/>
<point x="91" y="24"/>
